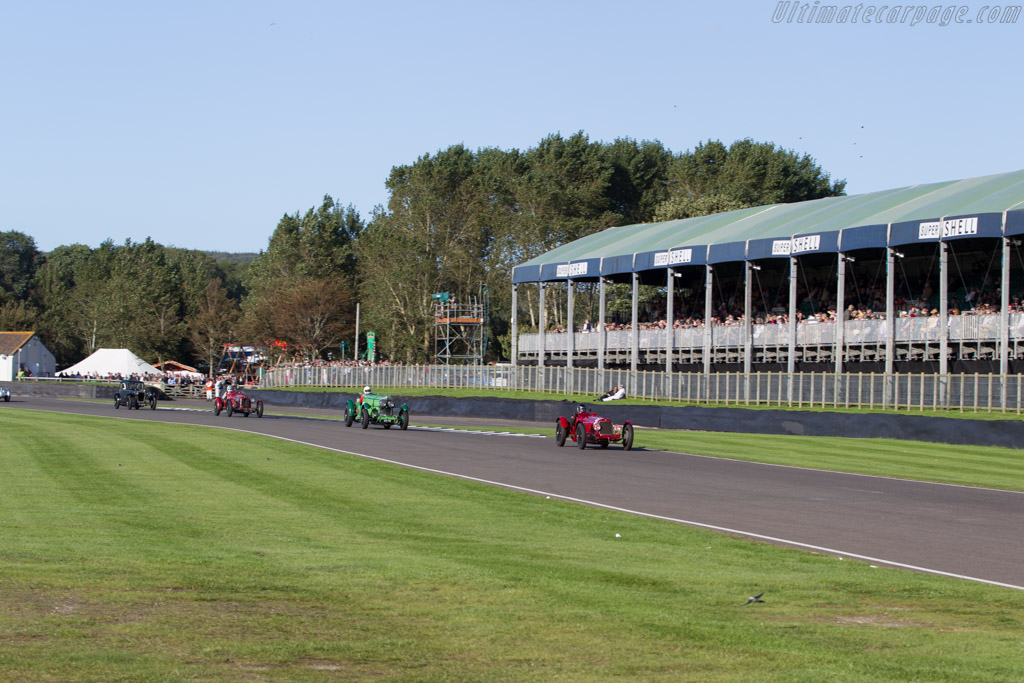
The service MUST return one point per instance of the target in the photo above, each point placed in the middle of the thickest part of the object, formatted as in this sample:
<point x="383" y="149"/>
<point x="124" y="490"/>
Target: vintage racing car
<point x="237" y="402"/>
<point x="134" y="394"/>
<point x="5" y="394"/>
<point x="378" y="409"/>
<point x="585" y="427"/>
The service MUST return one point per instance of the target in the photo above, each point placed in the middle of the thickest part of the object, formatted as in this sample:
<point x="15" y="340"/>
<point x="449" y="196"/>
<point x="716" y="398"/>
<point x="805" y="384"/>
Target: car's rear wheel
<point x="366" y="418"/>
<point x="627" y="437"/>
<point x="581" y="437"/>
<point x="259" y="408"/>
<point x="560" y="434"/>
<point x="403" y="420"/>
<point x="349" y="417"/>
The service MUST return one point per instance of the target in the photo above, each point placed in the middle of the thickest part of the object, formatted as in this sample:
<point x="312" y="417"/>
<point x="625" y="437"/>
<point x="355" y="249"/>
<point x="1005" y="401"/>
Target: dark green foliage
<point x="456" y="221"/>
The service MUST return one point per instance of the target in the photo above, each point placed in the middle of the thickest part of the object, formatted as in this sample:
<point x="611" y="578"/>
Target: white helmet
<point x="366" y="390"/>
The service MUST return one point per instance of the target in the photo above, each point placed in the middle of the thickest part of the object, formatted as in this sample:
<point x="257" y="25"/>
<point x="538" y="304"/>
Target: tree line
<point x="455" y="221"/>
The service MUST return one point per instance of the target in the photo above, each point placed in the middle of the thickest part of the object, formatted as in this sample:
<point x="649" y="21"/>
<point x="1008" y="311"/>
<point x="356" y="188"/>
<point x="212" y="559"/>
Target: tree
<point x="210" y="327"/>
<point x="713" y="178"/>
<point x="432" y="239"/>
<point x="18" y="260"/>
<point x="313" y="313"/>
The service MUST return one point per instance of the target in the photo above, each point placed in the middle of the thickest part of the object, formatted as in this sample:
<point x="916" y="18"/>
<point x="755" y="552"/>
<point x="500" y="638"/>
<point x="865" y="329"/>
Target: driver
<point x="366" y="390"/>
<point x="580" y="409"/>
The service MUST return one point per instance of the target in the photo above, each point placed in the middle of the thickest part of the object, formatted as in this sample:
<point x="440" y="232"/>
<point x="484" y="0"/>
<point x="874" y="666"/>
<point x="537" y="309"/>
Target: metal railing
<point x="961" y="328"/>
<point x="966" y="392"/>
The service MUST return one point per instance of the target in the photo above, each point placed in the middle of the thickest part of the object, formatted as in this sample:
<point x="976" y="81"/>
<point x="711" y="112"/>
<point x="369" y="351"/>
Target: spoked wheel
<point x="581" y="437"/>
<point x="627" y="437"/>
<point x="231" y="409"/>
<point x="259" y="408"/>
<point x="349" y="417"/>
<point x="403" y="420"/>
<point x="366" y="418"/>
<point x="560" y="434"/>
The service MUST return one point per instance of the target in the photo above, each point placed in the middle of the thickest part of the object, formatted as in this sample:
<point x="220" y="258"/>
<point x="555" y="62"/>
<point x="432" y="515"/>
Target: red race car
<point x="237" y="402"/>
<point x="585" y="427"/>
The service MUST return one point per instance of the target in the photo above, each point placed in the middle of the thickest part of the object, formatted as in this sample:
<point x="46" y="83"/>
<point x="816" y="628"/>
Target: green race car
<point x="378" y="409"/>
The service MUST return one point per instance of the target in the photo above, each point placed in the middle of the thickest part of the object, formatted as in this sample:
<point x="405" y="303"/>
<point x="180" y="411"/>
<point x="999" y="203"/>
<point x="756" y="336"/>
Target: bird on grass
<point x="754" y="598"/>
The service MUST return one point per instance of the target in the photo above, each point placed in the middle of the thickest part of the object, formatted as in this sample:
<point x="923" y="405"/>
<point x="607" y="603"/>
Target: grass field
<point x="138" y="551"/>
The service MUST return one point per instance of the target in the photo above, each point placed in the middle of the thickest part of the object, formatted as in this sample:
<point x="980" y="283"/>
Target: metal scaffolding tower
<point x="460" y="328"/>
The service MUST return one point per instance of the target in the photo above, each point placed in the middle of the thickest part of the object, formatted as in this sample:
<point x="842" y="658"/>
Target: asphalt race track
<point x="952" y="530"/>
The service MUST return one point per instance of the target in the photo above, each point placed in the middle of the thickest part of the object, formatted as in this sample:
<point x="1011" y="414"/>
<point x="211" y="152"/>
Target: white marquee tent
<point x="111" y="361"/>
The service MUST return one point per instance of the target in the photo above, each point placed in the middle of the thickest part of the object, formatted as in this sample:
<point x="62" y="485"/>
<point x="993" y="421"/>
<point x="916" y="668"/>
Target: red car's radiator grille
<point x="604" y="428"/>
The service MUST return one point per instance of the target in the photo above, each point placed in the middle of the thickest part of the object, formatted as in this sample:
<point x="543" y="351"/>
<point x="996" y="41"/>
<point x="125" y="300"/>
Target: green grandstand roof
<point x="992" y="194"/>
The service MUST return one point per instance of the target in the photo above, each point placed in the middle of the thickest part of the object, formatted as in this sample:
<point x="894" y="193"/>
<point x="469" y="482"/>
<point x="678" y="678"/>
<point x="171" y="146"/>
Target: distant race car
<point x="134" y="394"/>
<point x="378" y="409"/>
<point x="5" y="394"/>
<point x="237" y="402"/>
<point x="590" y="428"/>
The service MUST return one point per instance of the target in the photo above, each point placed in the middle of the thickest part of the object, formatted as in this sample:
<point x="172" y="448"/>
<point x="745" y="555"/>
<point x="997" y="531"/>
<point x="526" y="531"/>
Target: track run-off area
<point x="958" y="531"/>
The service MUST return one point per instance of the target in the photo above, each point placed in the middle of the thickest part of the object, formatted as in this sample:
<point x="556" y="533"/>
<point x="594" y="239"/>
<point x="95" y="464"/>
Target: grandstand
<point x="921" y="279"/>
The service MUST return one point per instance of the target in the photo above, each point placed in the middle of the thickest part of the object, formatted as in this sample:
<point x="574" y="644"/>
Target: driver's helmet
<point x="581" y="409"/>
<point x="366" y="390"/>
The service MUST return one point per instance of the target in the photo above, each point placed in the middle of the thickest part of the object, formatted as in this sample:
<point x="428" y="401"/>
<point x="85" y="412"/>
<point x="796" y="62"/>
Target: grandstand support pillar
<point x="943" y="320"/>
<point x="748" y="342"/>
<point x="840" y="346"/>
<point x="1004" y="321"/>
<point x="570" y="331"/>
<point x="542" y="323"/>
<point x="709" y="282"/>
<point x="515" y="327"/>
<point x="670" y="336"/>
<point x="634" y="333"/>
<point x="791" y="360"/>
<point x="602" y="338"/>
<point x="890" y="325"/>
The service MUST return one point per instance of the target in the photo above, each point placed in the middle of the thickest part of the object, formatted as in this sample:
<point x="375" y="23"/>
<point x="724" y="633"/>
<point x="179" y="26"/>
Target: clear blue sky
<point x="200" y="124"/>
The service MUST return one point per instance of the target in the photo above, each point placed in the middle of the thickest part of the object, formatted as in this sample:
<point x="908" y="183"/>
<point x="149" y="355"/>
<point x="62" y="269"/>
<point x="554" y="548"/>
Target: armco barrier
<point x="1005" y="433"/>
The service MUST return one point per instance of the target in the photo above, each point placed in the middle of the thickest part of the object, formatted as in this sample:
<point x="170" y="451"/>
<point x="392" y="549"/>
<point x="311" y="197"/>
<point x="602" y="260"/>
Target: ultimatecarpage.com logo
<point x="793" y="12"/>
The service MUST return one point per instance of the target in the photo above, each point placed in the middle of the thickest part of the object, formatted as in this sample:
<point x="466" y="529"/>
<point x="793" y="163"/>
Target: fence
<point x="963" y="392"/>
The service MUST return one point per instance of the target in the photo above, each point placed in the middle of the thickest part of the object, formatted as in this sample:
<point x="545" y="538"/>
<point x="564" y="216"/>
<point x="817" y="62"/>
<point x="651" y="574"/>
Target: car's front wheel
<point x="581" y="437"/>
<point x="152" y="402"/>
<point x="117" y="403"/>
<point x="231" y="409"/>
<point x="366" y="418"/>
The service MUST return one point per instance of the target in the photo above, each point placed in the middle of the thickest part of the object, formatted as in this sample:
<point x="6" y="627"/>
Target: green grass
<point x="140" y="551"/>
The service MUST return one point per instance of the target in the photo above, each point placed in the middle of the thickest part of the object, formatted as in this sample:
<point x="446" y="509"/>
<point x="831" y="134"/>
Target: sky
<point x="200" y="124"/>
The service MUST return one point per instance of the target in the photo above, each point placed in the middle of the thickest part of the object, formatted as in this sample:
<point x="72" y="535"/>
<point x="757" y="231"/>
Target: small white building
<point x="23" y="351"/>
